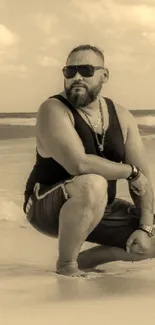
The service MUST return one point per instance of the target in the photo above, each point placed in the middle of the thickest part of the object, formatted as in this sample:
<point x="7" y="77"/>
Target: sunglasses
<point x="85" y="70"/>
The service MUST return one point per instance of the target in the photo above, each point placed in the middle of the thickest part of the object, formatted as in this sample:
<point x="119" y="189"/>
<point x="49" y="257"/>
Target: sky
<point x="36" y="37"/>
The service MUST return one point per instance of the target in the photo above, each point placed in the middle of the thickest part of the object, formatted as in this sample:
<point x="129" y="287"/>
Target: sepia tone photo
<point x="77" y="170"/>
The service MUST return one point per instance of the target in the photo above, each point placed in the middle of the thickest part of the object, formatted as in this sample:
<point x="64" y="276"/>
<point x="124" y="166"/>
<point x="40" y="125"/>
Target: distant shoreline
<point x="19" y="115"/>
<point x="140" y="112"/>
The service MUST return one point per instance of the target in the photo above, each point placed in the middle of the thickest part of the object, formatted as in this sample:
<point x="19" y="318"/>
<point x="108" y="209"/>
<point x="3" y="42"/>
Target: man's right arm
<point x="60" y="141"/>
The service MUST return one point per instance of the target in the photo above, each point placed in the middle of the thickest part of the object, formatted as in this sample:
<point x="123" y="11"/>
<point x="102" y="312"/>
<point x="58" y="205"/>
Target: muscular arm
<point x="59" y="140"/>
<point x="135" y="154"/>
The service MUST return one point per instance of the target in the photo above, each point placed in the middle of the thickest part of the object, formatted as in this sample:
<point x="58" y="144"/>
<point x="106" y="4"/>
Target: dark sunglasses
<point x="85" y="70"/>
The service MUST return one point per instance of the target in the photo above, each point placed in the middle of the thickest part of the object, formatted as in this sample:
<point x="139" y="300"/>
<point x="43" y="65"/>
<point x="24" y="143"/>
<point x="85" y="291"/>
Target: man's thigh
<point x="43" y="207"/>
<point x="120" y="220"/>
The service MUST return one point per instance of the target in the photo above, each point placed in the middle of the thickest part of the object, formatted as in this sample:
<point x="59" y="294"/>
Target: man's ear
<point x="105" y="75"/>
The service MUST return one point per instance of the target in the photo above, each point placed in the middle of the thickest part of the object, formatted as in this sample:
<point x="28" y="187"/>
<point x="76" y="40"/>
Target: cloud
<point x="124" y="28"/>
<point x="21" y="68"/>
<point x="46" y="22"/>
<point x="135" y="2"/>
<point x="118" y="27"/>
<point x="150" y="36"/>
<point x="8" y="46"/>
<point x="48" y="61"/>
<point x="9" y="52"/>
<point x="52" y="26"/>
<point x="145" y="16"/>
<point x="116" y="12"/>
<point x="55" y="34"/>
<point x="7" y="38"/>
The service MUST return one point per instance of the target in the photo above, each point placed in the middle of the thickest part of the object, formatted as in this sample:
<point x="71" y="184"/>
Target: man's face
<point x="81" y="91"/>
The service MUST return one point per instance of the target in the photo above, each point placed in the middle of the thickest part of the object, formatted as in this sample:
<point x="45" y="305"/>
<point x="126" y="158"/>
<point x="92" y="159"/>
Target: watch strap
<point x="150" y="230"/>
<point x="135" y="174"/>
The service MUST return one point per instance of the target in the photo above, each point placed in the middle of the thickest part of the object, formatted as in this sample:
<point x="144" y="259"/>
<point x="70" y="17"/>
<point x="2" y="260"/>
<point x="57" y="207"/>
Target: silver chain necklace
<point x="100" y="145"/>
<point x="97" y="123"/>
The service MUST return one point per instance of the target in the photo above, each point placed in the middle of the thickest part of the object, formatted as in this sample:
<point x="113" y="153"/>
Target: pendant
<point x="101" y="147"/>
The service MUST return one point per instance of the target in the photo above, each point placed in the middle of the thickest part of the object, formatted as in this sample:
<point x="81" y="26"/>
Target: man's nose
<point x="78" y="76"/>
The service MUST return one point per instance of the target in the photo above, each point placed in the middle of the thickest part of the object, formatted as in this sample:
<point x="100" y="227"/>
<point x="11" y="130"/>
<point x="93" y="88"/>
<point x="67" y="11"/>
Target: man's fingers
<point x="138" y="192"/>
<point x="129" y="243"/>
<point x="135" y="249"/>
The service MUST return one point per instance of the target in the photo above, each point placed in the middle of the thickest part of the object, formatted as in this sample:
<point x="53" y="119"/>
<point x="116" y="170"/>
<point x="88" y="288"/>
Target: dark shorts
<point x="120" y="218"/>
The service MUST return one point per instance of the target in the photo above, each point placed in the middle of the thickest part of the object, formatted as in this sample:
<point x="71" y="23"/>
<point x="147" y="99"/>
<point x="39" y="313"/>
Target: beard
<point x="83" y="99"/>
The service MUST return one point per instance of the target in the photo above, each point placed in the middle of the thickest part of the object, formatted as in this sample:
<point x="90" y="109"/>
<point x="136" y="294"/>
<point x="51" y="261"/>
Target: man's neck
<point x="92" y="107"/>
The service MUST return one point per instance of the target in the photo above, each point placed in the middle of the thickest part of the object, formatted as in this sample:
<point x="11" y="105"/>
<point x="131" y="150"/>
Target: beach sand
<point x="30" y="290"/>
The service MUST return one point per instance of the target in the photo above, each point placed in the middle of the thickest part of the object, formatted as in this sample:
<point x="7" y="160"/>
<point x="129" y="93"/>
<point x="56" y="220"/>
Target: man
<point x="85" y="143"/>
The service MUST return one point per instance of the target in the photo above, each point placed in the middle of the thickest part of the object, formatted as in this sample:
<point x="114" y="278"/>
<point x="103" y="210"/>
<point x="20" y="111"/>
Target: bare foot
<point x="69" y="269"/>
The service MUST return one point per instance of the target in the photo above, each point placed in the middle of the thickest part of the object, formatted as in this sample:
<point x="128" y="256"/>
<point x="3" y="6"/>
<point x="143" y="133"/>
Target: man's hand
<point x="139" y="242"/>
<point x="139" y="186"/>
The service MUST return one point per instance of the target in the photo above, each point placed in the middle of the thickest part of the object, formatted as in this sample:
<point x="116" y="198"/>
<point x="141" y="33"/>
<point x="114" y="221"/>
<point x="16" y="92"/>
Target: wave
<point x="18" y="121"/>
<point x="148" y="120"/>
<point x="148" y="136"/>
<point x="12" y="128"/>
<point x="12" y="214"/>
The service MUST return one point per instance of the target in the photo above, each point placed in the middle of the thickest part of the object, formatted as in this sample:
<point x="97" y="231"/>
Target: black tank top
<point x="47" y="171"/>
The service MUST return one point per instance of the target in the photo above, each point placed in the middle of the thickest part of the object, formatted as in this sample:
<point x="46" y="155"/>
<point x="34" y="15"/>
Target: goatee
<point x="78" y="100"/>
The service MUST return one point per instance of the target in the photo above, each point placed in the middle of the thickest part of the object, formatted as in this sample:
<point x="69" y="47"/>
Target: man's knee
<point x="90" y="187"/>
<point x="94" y="184"/>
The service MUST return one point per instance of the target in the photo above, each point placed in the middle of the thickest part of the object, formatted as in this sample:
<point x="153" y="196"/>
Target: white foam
<point x="148" y="120"/>
<point x="11" y="212"/>
<point x="18" y="121"/>
<point x="149" y="136"/>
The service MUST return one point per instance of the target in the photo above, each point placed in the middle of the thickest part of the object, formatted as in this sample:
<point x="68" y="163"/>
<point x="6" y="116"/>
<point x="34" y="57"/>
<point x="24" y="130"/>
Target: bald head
<point x="87" y="50"/>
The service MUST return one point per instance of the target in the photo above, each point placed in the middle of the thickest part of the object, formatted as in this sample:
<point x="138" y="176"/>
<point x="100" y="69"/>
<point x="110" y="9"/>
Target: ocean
<point x="22" y="125"/>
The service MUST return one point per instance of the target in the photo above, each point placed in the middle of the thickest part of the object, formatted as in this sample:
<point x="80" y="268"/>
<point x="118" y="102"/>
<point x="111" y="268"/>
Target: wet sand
<point x="30" y="290"/>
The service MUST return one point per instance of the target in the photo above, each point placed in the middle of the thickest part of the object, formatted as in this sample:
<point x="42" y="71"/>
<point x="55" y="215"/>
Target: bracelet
<point x="135" y="174"/>
<point x="150" y="230"/>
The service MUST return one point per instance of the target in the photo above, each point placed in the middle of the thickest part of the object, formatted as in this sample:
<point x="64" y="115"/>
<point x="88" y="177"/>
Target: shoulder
<point x="126" y="119"/>
<point x="52" y="108"/>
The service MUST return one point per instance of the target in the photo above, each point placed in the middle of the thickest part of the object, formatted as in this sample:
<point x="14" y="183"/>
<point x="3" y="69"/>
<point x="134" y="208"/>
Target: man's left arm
<point x="135" y="154"/>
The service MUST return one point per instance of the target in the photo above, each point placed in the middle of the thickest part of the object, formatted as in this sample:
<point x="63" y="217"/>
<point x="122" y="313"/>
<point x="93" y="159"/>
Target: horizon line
<point x="30" y="112"/>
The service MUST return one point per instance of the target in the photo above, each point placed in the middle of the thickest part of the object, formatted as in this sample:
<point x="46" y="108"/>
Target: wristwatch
<point x="150" y="230"/>
<point x="134" y="174"/>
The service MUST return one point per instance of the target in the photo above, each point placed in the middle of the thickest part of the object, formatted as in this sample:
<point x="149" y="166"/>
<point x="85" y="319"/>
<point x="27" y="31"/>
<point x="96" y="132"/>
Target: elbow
<point x="78" y="168"/>
<point x="81" y="168"/>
